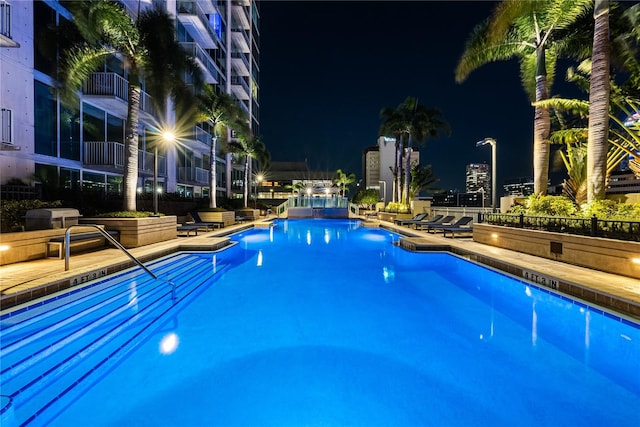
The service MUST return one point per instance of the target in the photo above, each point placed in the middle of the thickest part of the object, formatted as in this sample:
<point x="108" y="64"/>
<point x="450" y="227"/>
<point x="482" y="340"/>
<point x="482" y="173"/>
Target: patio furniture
<point x="418" y="217"/>
<point x="456" y="225"/>
<point x="424" y="225"/>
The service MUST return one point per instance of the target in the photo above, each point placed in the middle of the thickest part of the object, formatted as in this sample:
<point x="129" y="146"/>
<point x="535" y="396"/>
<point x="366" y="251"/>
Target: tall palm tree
<point x="343" y="180"/>
<point x="223" y="114"/>
<point x="250" y="147"/>
<point x="392" y="124"/>
<point x="598" y="103"/>
<point x="526" y="30"/>
<point x="108" y="30"/>
<point x="412" y="121"/>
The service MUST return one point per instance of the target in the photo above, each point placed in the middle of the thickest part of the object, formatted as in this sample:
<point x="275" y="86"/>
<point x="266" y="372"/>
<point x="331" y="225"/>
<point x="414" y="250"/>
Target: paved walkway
<point x="28" y="280"/>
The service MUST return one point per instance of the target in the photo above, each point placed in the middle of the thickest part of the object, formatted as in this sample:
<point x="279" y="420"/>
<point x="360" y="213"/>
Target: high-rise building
<point x="379" y="164"/>
<point x="84" y="147"/>
<point x="478" y="179"/>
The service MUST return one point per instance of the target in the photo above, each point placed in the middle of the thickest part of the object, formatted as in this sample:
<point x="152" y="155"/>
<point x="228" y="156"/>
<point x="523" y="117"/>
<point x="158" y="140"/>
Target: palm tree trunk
<point x="213" y="184"/>
<point x="541" y="129"/>
<point x="599" y="91"/>
<point x="130" y="177"/>
<point x="407" y="173"/>
<point x="398" y="183"/>
<point x="246" y="181"/>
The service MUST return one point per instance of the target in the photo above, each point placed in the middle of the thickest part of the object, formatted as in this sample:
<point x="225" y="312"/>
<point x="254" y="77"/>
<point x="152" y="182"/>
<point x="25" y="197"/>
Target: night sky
<point x="328" y="68"/>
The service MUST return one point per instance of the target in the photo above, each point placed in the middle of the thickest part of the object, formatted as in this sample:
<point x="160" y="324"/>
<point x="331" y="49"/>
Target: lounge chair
<point x="203" y="224"/>
<point x="418" y="217"/>
<point x="424" y="225"/>
<point x="456" y="230"/>
<point x="434" y="219"/>
<point x="458" y="224"/>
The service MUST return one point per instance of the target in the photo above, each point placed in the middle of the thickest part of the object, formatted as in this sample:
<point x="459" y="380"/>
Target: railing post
<point x="594" y="225"/>
<point x="521" y="221"/>
<point x="480" y="217"/>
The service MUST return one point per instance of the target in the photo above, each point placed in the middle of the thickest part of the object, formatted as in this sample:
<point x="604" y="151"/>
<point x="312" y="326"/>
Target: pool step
<point x="109" y="328"/>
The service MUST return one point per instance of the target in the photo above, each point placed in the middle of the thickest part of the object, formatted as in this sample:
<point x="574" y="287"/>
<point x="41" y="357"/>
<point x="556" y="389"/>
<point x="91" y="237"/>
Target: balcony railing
<point x="201" y="135"/>
<point x="192" y="8"/>
<point x="111" y="154"/>
<point x="243" y="57"/>
<point x="237" y="80"/>
<point x="205" y="59"/>
<point x="191" y="174"/>
<point x="112" y="84"/>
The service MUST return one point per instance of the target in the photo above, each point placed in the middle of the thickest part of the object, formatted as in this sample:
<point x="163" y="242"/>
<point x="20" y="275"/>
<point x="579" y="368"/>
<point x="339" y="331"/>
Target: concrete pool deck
<point x="25" y="281"/>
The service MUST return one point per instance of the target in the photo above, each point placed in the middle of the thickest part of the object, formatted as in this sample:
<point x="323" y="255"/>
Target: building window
<point x="5" y="19"/>
<point x="5" y="126"/>
<point x="45" y="121"/>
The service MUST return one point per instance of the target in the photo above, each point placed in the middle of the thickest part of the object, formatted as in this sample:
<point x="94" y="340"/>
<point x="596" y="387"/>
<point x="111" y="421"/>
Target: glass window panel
<point x="45" y="120"/>
<point x="70" y="178"/>
<point x="69" y="133"/>
<point x="92" y="124"/>
<point x="114" y="184"/>
<point x="115" y="129"/>
<point x="44" y="24"/>
<point x="93" y="181"/>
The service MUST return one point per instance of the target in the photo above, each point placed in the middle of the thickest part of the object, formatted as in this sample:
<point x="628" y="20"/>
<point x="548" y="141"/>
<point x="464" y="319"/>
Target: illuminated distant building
<point x="478" y="179"/>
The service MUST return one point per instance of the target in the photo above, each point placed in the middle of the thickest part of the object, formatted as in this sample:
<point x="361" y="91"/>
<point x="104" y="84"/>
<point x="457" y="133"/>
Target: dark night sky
<point x="328" y="68"/>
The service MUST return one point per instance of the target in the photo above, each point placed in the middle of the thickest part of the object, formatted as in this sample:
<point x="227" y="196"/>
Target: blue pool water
<point x="321" y="322"/>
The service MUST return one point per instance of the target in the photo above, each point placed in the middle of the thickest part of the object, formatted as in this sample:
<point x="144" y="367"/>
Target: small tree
<point x="367" y="198"/>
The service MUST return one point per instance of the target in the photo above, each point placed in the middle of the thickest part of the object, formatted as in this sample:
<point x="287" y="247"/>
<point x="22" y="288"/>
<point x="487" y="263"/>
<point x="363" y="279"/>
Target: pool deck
<point x="26" y="281"/>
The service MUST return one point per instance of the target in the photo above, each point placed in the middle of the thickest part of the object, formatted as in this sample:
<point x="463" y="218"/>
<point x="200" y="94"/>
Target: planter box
<point x="609" y="255"/>
<point x="136" y="232"/>
<point x="226" y="218"/>
<point x="30" y="245"/>
<point x="251" y="214"/>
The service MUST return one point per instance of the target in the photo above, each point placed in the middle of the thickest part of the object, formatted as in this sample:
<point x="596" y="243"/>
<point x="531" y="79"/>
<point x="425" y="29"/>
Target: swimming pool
<point x="318" y="322"/>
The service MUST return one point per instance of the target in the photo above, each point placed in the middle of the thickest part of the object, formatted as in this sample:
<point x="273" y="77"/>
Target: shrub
<point x="609" y="209"/>
<point x="127" y="214"/>
<point x="397" y="208"/>
<point x="551" y="206"/>
<point x="12" y="212"/>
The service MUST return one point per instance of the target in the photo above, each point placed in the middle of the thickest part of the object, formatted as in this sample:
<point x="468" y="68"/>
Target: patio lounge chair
<point x="418" y="217"/>
<point x="203" y="224"/>
<point x="456" y="230"/>
<point x="458" y="224"/>
<point x="424" y="225"/>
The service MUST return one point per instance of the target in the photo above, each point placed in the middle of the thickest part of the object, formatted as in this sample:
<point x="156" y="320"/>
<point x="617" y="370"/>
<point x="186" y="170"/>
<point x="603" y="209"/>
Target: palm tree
<point x="422" y="178"/>
<point x="392" y="124"/>
<point x="223" y="114"/>
<point x="415" y="122"/>
<point x="598" y="104"/>
<point x="343" y="180"/>
<point x="251" y="147"/>
<point x="108" y="30"/>
<point x="526" y="30"/>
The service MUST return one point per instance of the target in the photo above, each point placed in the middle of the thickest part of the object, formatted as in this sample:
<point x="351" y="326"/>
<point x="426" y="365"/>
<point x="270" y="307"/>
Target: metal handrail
<point x="114" y="242"/>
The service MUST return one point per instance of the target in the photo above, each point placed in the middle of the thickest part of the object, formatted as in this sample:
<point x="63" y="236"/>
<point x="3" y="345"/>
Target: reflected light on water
<point x="169" y="343"/>
<point x="255" y="238"/>
<point x="374" y="237"/>
<point x="388" y="274"/>
<point x="327" y="237"/>
<point x="308" y="237"/>
<point x="259" y="262"/>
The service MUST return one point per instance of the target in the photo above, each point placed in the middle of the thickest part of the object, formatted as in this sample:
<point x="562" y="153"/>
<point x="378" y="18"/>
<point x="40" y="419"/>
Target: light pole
<point x="384" y="191"/>
<point x="168" y="137"/>
<point x="494" y="194"/>
<point x="259" y="179"/>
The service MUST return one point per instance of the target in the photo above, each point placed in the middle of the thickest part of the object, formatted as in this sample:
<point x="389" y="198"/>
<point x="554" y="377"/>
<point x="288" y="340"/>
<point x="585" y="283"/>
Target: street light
<point x="168" y="137"/>
<point x="384" y="191"/>
<point x="259" y="178"/>
<point x="494" y="194"/>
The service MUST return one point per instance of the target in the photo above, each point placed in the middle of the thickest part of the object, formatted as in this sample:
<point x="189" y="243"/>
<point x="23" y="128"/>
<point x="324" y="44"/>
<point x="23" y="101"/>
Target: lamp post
<point x="384" y="191"/>
<point x="168" y="137"/>
<point x="494" y="194"/>
<point x="259" y="179"/>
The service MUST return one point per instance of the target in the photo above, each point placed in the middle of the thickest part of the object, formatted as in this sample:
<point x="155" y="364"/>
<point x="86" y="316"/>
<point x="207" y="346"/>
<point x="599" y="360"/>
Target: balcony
<point x="109" y="156"/>
<point x="5" y="26"/>
<point x="193" y="18"/>
<point x="240" y="87"/>
<point x="202" y="136"/>
<point x="110" y="92"/>
<point x="240" y="12"/>
<point x="241" y="39"/>
<point x="240" y="63"/>
<point x="191" y="175"/>
<point x="204" y="60"/>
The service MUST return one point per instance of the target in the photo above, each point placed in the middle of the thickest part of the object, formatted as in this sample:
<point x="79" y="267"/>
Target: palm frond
<point x="575" y="106"/>
<point x="76" y="67"/>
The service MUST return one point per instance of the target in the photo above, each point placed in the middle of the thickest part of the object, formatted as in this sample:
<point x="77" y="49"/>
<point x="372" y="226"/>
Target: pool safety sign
<point x="540" y="279"/>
